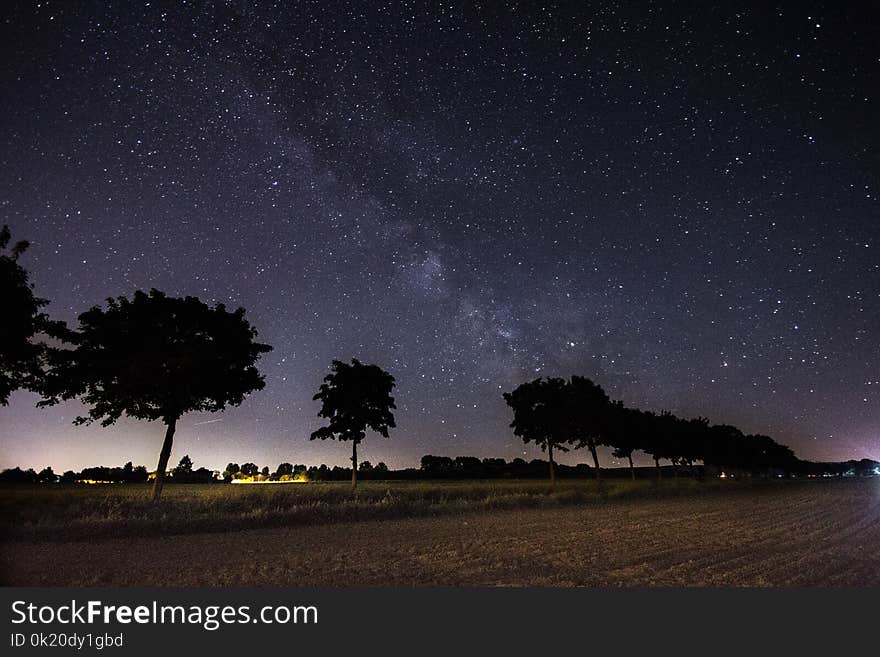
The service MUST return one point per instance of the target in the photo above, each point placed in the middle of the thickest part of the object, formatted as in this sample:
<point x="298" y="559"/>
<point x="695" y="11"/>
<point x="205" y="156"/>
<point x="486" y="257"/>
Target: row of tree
<point x="559" y="415"/>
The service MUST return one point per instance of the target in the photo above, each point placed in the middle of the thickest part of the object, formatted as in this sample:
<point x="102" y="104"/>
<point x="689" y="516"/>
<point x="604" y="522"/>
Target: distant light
<point x="296" y="480"/>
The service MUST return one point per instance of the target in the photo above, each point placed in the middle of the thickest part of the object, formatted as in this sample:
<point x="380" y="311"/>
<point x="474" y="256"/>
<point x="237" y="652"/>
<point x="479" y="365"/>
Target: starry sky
<point x="678" y="200"/>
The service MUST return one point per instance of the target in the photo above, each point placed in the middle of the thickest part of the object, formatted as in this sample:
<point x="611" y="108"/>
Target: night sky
<point x="679" y="201"/>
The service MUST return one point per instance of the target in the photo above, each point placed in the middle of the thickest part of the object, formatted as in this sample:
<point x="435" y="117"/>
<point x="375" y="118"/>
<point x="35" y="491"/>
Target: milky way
<point x="679" y="202"/>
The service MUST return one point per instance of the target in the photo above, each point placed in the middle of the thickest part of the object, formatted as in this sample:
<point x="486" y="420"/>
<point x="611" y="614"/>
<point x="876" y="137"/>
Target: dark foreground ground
<point x="814" y="534"/>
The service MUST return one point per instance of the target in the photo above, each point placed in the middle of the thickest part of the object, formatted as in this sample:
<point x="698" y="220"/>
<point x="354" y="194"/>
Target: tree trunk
<point x="354" y="464"/>
<point x="163" y="458"/>
<point x="632" y="470"/>
<point x="595" y="460"/>
<point x="552" y="469"/>
<point x="657" y="463"/>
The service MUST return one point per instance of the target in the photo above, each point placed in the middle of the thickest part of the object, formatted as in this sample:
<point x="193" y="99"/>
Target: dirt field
<point x="827" y="534"/>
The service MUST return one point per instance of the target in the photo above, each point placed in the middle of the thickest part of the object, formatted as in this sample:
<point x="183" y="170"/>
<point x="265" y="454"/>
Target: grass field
<point x="517" y="533"/>
<point x="55" y="512"/>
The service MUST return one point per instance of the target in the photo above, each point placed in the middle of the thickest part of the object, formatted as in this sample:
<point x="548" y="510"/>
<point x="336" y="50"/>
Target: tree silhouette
<point x="692" y="441"/>
<point x="623" y="430"/>
<point x="155" y="357"/>
<point x="669" y="444"/>
<point x="184" y="468"/>
<point x="47" y="476"/>
<point x="659" y="440"/>
<point x="646" y="433"/>
<point x="776" y="455"/>
<point x="355" y="398"/>
<point x="587" y="408"/>
<point x="437" y="465"/>
<point x="232" y="469"/>
<point x="21" y="358"/>
<point x="723" y="446"/>
<point x="539" y="416"/>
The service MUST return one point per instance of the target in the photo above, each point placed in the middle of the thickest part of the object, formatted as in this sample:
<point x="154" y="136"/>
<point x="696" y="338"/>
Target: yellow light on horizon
<point x="250" y="480"/>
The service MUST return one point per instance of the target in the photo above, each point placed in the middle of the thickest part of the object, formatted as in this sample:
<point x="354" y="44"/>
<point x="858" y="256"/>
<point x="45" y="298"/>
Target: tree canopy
<point x="21" y="355"/>
<point x="155" y="357"/>
<point x="540" y="415"/>
<point x="588" y="408"/>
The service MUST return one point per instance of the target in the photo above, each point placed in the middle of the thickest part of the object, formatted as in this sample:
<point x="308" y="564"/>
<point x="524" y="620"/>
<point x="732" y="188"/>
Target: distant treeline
<point x="432" y="467"/>
<point x="128" y="474"/>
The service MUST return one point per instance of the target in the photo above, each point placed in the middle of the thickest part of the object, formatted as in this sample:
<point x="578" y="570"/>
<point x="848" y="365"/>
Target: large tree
<point x="661" y="440"/>
<point x="155" y="357"/>
<point x="623" y="428"/>
<point x="692" y="443"/>
<point x="723" y="446"/>
<point x="539" y="416"/>
<point x="670" y="433"/>
<point x="355" y="397"/>
<point x="588" y="409"/>
<point x="21" y="354"/>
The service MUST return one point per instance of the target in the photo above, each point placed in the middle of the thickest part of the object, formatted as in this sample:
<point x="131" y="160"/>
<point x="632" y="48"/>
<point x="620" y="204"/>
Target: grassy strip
<point x="84" y="512"/>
